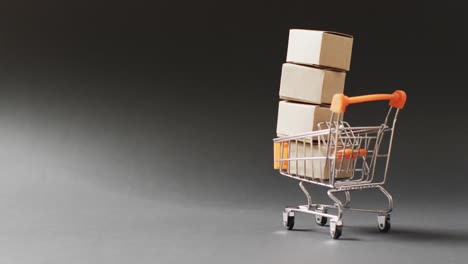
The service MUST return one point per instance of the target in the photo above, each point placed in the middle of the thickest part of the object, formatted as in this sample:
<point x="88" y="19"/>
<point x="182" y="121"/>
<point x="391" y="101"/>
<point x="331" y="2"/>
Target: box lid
<point x="326" y="32"/>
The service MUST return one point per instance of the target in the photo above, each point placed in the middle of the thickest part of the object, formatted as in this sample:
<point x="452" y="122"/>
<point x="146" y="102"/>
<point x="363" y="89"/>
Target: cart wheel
<point x="384" y="223"/>
<point x="288" y="220"/>
<point x="335" y="230"/>
<point x="321" y="220"/>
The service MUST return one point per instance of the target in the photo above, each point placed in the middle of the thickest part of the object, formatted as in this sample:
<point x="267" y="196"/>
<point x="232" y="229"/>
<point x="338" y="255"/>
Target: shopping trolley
<point x="343" y="159"/>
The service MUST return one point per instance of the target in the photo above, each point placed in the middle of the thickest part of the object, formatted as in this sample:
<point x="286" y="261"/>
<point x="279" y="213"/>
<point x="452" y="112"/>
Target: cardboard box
<point x="296" y="118"/>
<point x="310" y="85"/>
<point x="316" y="169"/>
<point x="322" y="48"/>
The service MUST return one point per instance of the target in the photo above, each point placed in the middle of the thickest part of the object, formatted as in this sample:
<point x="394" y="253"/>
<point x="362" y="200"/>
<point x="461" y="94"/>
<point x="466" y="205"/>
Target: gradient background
<point x="140" y="132"/>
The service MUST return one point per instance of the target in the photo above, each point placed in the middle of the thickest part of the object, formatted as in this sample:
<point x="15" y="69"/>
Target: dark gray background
<point x="141" y="131"/>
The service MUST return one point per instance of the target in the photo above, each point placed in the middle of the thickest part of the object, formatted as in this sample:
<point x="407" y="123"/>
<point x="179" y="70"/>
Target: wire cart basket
<point x="343" y="159"/>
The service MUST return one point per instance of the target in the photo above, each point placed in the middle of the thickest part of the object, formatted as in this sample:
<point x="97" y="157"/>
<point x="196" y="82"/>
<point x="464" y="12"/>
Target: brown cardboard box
<point x="309" y="84"/>
<point x="323" y="48"/>
<point x="296" y="118"/>
<point x="319" y="168"/>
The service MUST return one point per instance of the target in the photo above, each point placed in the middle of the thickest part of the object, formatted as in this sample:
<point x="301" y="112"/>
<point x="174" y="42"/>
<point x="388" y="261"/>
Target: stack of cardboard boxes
<point x="315" y="70"/>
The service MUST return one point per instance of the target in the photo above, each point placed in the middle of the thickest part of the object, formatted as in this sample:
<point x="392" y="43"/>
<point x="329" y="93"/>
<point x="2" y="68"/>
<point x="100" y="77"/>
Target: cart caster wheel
<point x="321" y="220"/>
<point x="335" y="230"/>
<point x="384" y="223"/>
<point x="288" y="220"/>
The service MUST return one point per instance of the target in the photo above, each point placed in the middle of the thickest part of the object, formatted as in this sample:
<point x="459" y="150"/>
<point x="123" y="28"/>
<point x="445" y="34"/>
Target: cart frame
<point x="344" y="155"/>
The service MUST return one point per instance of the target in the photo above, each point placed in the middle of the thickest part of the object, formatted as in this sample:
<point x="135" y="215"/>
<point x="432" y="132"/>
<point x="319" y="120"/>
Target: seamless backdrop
<point x="122" y="122"/>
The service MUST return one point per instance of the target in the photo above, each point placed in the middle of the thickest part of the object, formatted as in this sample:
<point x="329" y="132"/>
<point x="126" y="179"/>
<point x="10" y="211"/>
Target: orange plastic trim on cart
<point x="277" y="154"/>
<point x="340" y="101"/>
<point x="350" y="153"/>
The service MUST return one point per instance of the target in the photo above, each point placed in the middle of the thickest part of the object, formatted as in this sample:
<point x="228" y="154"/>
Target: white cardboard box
<point x="322" y="48"/>
<point x="319" y="168"/>
<point x="296" y="118"/>
<point x="309" y="84"/>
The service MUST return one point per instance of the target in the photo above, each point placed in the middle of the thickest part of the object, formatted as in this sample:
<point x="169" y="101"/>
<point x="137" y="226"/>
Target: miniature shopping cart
<point x="343" y="159"/>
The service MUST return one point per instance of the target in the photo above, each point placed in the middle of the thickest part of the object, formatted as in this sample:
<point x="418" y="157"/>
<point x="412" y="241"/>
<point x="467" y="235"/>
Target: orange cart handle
<point x="340" y="101"/>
